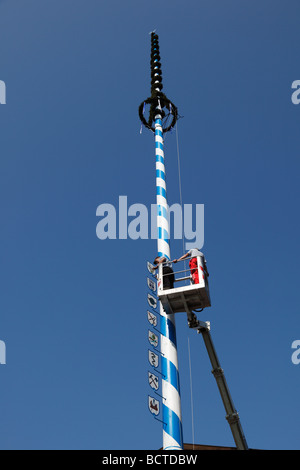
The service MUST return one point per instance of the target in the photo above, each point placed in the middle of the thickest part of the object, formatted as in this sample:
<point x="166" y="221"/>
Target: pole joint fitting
<point x="218" y="372"/>
<point x="233" y="418"/>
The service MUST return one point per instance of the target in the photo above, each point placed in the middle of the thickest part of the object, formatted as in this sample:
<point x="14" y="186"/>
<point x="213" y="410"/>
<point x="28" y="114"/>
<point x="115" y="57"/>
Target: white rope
<point x="180" y="193"/>
<point x="179" y="172"/>
<point x="191" y="386"/>
<point x="183" y="250"/>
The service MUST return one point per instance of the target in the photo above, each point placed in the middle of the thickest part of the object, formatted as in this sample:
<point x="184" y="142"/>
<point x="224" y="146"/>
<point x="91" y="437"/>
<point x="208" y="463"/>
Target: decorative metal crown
<point x="158" y="103"/>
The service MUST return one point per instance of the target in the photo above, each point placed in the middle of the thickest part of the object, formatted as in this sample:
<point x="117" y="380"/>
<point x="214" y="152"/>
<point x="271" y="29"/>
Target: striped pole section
<point x="171" y="406"/>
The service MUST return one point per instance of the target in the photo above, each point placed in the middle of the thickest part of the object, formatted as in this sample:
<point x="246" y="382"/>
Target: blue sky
<point x="73" y="307"/>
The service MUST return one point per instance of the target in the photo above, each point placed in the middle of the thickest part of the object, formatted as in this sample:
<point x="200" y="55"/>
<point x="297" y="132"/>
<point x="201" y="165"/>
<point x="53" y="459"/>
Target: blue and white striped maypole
<point x="171" y="405"/>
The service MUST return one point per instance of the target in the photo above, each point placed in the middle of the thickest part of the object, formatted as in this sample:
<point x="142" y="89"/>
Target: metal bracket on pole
<point x="193" y="321"/>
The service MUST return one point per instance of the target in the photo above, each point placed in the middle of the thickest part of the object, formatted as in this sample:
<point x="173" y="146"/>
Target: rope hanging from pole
<point x="169" y="112"/>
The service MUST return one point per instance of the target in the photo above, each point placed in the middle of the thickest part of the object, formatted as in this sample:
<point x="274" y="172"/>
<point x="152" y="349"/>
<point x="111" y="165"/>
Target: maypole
<point x="162" y="117"/>
<point x="184" y="298"/>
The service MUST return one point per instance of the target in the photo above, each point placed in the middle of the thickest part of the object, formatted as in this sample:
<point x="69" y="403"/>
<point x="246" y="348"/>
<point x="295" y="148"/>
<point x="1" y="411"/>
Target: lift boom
<point x="217" y="371"/>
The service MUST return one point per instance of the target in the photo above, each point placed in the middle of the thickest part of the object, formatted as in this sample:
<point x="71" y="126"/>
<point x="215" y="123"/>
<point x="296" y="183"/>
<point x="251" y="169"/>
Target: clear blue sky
<point x="73" y="307"/>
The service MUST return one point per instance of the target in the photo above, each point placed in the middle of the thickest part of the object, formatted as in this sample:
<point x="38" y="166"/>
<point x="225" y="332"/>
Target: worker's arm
<point x="182" y="257"/>
<point x="162" y="260"/>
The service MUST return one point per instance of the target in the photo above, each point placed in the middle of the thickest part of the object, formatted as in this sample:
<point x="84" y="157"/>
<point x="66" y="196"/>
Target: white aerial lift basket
<point x="184" y="298"/>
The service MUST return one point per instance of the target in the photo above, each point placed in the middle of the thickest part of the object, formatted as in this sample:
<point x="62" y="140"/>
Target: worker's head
<point x="156" y="260"/>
